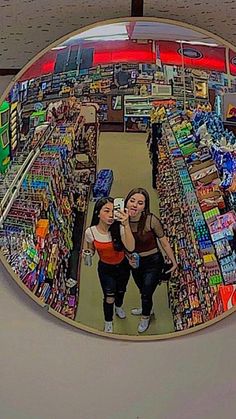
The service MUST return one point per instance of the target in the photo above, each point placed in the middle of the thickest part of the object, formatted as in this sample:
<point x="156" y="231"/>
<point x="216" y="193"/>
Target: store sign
<point x="232" y="62"/>
<point x="190" y="53"/>
<point x="197" y="57"/>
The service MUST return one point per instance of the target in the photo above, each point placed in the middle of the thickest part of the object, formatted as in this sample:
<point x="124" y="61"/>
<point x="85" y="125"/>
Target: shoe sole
<point x="152" y="314"/>
<point x="148" y="324"/>
<point x="139" y="331"/>
<point x="136" y="314"/>
<point x="122" y="318"/>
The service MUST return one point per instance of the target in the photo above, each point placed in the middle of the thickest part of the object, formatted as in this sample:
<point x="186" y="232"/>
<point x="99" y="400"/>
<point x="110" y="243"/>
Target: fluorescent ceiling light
<point x="59" y="47"/>
<point x="106" y="38"/>
<point x="197" y="43"/>
<point x="113" y="32"/>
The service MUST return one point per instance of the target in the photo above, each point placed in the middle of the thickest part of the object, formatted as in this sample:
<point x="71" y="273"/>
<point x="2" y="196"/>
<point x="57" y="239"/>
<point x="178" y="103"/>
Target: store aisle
<point x="126" y="154"/>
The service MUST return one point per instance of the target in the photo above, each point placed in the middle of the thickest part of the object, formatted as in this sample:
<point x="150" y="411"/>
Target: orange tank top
<point x="104" y="246"/>
<point x="108" y="254"/>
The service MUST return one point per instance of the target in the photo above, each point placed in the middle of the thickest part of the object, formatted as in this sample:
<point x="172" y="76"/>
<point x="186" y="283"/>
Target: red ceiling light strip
<point x="105" y="52"/>
<point x="44" y="65"/>
<point x="122" y="51"/>
<point x="137" y="56"/>
<point x="196" y="56"/>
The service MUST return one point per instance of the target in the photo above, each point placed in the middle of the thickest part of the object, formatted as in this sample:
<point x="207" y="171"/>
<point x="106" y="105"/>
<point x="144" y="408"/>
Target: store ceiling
<point x="142" y="31"/>
<point x="167" y="32"/>
<point x="29" y="26"/>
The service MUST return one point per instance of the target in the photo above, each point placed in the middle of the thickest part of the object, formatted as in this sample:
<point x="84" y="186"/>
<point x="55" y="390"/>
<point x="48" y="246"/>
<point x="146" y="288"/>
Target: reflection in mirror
<point x="116" y="103"/>
<point x="118" y="179"/>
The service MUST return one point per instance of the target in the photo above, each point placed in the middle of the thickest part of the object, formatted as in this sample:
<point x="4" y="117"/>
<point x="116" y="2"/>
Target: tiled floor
<point x="127" y="155"/>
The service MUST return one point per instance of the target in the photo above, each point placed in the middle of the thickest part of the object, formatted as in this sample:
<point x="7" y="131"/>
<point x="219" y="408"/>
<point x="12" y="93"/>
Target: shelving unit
<point x="196" y="220"/>
<point x="14" y="128"/>
<point x="44" y="213"/>
<point x="87" y="137"/>
<point x="137" y="111"/>
<point x="194" y="294"/>
<point x="193" y="300"/>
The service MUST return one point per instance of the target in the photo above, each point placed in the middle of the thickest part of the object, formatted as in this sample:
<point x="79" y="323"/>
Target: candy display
<point x="222" y="145"/>
<point x="228" y="296"/>
<point x="221" y="190"/>
<point x="192" y="298"/>
<point x="182" y="129"/>
<point x="42" y="228"/>
<point x="194" y="209"/>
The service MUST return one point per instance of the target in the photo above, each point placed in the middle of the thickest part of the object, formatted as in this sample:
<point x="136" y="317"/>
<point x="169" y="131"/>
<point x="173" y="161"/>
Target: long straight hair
<point x="114" y="228"/>
<point x="146" y="211"/>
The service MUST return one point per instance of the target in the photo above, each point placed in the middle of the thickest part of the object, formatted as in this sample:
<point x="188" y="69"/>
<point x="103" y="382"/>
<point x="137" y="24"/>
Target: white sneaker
<point x="143" y="325"/>
<point x="120" y="312"/>
<point x="138" y="311"/>
<point x="108" y="328"/>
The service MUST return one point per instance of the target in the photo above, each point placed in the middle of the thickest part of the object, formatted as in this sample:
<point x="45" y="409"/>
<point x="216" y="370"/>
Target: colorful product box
<point x="228" y="296"/>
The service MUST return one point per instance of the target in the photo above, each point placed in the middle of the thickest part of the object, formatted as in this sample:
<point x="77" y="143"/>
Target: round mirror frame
<point x="3" y="260"/>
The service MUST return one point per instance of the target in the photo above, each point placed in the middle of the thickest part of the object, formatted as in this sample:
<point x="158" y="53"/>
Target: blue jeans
<point x="147" y="276"/>
<point x="114" y="280"/>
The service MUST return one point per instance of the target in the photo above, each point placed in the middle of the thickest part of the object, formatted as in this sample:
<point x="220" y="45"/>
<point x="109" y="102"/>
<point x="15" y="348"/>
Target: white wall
<point x="51" y="371"/>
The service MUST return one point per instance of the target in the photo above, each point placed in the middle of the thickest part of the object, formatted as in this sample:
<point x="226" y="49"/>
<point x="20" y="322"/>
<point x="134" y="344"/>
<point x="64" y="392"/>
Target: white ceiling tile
<point x="44" y="21"/>
<point x="216" y="16"/>
<point x="29" y="26"/>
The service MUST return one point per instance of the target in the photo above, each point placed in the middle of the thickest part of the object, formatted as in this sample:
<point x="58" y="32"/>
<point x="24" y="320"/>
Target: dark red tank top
<point x="145" y="242"/>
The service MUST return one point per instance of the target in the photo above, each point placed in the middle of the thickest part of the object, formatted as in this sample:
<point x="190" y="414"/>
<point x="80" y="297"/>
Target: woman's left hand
<point x="173" y="269"/>
<point x="124" y="217"/>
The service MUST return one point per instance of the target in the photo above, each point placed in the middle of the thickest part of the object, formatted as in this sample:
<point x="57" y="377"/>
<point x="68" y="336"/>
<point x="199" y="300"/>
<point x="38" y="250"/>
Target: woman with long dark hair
<point x="147" y="231"/>
<point x="110" y="239"/>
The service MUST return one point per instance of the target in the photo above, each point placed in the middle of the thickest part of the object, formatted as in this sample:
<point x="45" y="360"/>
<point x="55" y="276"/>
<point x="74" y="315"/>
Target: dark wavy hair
<point x="146" y="212"/>
<point x="114" y="228"/>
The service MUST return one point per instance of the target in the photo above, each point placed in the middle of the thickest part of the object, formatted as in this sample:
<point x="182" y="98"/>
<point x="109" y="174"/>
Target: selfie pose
<point x="147" y="229"/>
<point x="110" y="238"/>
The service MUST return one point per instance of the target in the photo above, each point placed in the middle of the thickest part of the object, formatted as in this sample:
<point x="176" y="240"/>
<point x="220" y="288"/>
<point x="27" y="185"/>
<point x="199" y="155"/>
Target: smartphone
<point x="119" y="205"/>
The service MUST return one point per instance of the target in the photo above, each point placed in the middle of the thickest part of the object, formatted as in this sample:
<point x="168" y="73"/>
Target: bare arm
<point x="89" y="246"/>
<point x="88" y="241"/>
<point x="169" y="252"/>
<point x="127" y="236"/>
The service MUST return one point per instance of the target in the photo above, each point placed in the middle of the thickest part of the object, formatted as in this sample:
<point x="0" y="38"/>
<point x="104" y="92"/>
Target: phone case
<point x="119" y="205"/>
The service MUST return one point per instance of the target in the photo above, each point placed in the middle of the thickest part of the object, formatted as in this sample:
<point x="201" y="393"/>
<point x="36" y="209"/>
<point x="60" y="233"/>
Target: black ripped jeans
<point x="114" y="280"/>
<point x="147" y="276"/>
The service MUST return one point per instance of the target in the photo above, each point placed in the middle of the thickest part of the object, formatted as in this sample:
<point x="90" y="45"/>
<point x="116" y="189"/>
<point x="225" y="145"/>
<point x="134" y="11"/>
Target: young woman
<point x="110" y="239"/>
<point x="146" y="229"/>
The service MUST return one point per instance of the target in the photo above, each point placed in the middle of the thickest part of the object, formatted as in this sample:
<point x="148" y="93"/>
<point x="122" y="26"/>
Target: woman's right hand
<point x="131" y="261"/>
<point x="123" y="217"/>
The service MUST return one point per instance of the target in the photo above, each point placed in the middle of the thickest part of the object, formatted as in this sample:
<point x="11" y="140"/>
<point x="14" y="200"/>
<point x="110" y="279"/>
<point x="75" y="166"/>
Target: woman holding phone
<point x="146" y="229"/>
<point x="110" y="239"/>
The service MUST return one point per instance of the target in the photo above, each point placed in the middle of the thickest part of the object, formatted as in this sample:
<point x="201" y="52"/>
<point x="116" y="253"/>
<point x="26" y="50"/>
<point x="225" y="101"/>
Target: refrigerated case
<point x="4" y="136"/>
<point x="137" y="111"/>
